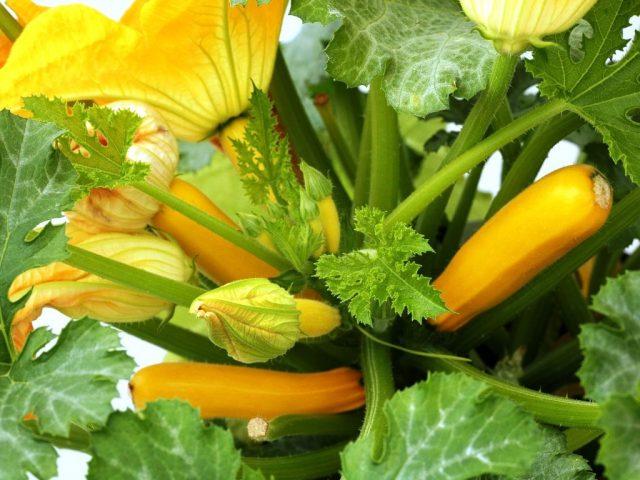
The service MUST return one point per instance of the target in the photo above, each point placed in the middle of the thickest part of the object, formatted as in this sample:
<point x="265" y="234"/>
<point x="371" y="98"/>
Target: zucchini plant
<point x="301" y="227"/>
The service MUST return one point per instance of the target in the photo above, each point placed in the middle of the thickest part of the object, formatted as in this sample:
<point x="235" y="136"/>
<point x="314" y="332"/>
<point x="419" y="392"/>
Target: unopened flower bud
<point x="254" y="320"/>
<point x="126" y="209"/>
<point x="317" y="318"/>
<point x="80" y="294"/>
<point x="513" y="25"/>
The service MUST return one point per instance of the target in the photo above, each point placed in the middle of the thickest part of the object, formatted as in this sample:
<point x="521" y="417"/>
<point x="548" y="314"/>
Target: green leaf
<point x="96" y="141"/>
<point x="71" y="383"/>
<point x="426" y="50"/>
<point x="620" y="445"/>
<point x="194" y="156"/>
<point x="554" y="462"/>
<point x="166" y="441"/>
<point x="381" y="271"/>
<point x="254" y="320"/>
<point x="612" y="350"/>
<point x="448" y="427"/>
<point x="604" y="93"/>
<point x="36" y="184"/>
<point x="286" y="210"/>
<point x="610" y="373"/>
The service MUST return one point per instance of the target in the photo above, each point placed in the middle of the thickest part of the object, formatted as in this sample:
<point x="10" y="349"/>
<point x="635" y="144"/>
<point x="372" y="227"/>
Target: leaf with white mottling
<point x="72" y="383"/>
<point x="426" y="50"/>
<point x="449" y="427"/>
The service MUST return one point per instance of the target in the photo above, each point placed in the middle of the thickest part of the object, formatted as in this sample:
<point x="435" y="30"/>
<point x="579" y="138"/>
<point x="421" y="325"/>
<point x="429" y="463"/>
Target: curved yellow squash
<point x="244" y="392"/>
<point x="220" y="259"/>
<point x="535" y="229"/>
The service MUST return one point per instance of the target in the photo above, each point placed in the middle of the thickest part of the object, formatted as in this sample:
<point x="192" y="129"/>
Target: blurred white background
<point x="73" y="465"/>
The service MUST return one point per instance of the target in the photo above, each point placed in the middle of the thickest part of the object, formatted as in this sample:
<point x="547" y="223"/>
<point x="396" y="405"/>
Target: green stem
<point x="524" y="169"/>
<point x="510" y="151"/>
<point x="178" y="340"/>
<point x="556" y="366"/>
<point x="141" y="280"/>
<point x="298" y="126"/>
<point x="633" y="262"/>
<point x="385" y="150"/>
<point x="410" y="351"/>
<point x="217" y="226"/>
<point x="347" y="107"/>
<point x="602" y="267"/>
<point x="342" y="425"/>
<point x="448" y="175"/>
<point x="379" y="387"/>
<point x="455" y="230"/>
<point x="383" y="194"/>
<point x="475" y="128"/>
<point x="546" y="408"/>
<point x="573" y="305"/>
<point x="363" y="173"/>
<point x="9" y="25"/>
<point x="623" y="215"/>
<point x="528" y="331"/>
<point x="304" y="466"/>
<point x="342" y="148"/>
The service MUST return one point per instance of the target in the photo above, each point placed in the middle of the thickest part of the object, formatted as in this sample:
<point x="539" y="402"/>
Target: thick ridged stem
<point x="526" y="166"/>
<point x="475" y="128"/>
<point x="448" y="175"/>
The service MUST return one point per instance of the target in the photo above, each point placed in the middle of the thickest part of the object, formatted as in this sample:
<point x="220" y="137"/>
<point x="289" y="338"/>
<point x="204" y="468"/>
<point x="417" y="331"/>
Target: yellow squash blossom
<point x="78" y="294"/>
<point x="26" y="11"/>
<point x="192" y="60"/>
<point x="126" y="209"/>
<point x="513" y="25"/>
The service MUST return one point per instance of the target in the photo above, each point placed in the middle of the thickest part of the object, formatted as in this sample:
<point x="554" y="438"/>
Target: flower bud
<point x="317" y="318"/>
<point x="254" y="320"/>
<point x="515" y="24"/>
<point x="126" y="209"/>
<point x="319" y="188"/>
<point x="78" y="294"/>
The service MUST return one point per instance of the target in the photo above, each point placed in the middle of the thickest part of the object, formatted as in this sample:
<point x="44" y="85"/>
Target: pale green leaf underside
<point x="382" y="271"/>
<point x="426" y="50"/>
<point x="554" y="462"/>
<point x="449" y="427"/>
<point x="73" y="383"/>
<point x="620" y="445"/>
<point x="36" y="181"/>
<point x="606" y="94"/>
<point x="612" y="350"/>
<point x="166" y="441"/>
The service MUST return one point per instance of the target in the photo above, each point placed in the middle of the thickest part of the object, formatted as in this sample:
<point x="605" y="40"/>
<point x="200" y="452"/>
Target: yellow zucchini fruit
<point x="218" y="258"/>
<point x="224" y="391"/>
<point x="536" y="228"/>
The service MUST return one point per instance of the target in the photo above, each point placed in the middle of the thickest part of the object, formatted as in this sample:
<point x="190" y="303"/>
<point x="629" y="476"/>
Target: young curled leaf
<point x="254" y="320"/>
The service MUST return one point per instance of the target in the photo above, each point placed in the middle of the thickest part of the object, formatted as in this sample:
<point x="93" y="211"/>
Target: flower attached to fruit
<point x="126" y="209"/>
<point x="195" y="61"/>
<point x="513" y="25"/>
<point x="78" y="294"/>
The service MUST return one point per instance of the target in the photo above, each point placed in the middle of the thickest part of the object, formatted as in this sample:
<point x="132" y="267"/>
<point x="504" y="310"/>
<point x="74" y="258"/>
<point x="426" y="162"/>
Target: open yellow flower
<point x="78" y="294"/>
<point x="26" y="11"/>
<point x="513" y="25"/>
<point x="193" y="60"/>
